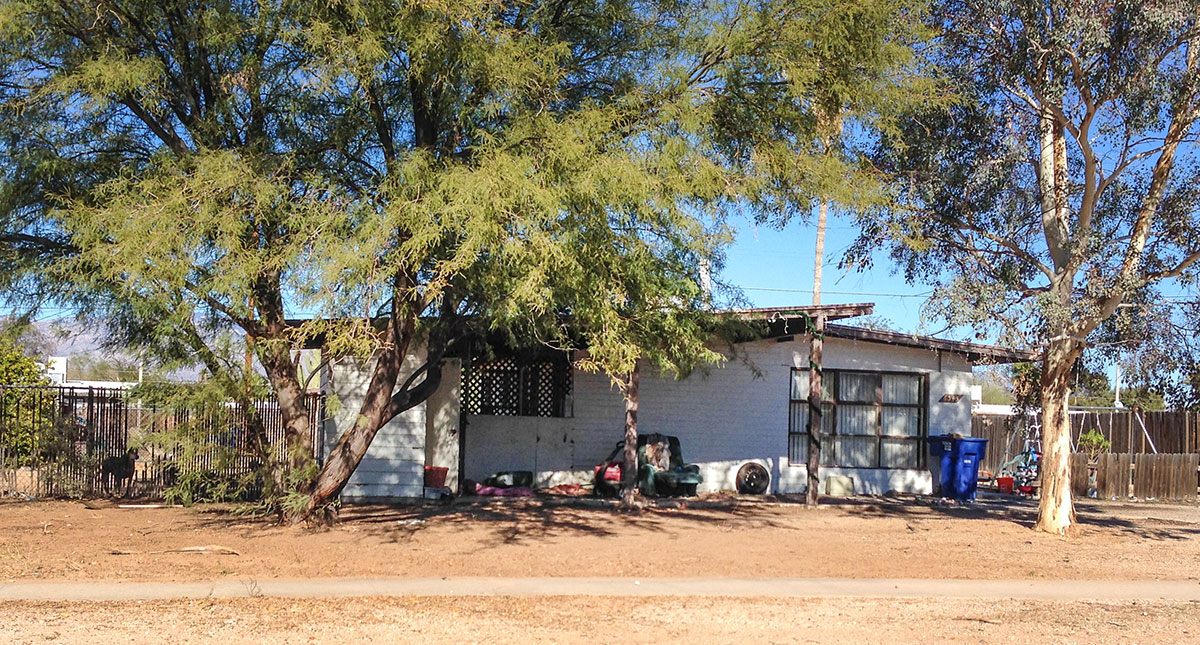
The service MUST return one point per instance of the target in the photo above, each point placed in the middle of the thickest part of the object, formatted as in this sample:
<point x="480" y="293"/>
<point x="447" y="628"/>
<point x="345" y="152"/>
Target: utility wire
<point x="843" y="293"/>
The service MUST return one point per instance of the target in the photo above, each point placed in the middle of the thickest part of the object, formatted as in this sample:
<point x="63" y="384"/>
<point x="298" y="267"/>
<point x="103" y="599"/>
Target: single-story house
<point x="885" y="392"/>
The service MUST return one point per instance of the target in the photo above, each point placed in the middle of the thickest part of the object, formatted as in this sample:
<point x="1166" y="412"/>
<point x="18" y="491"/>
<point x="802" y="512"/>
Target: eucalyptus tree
<point x="402" y="172"/>
<point x="1059" y="185"/>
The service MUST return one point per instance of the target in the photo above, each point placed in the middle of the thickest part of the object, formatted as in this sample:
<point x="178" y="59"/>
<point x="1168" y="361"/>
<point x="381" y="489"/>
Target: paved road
<point x="1065" y="590"/>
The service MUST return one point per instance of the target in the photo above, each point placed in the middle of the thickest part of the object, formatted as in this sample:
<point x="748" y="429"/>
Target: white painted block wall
<point x="723" y="417"/>
<point x="442" y="423"/>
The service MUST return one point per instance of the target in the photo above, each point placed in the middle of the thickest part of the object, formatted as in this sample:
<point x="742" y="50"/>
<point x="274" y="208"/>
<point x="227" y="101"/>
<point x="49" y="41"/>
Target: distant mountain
<point x="84" y="349"/>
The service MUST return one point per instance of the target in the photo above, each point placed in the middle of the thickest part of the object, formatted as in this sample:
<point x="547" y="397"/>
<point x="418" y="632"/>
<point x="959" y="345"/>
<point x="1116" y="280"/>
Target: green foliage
<point x="1093" y="443"/>
<point x="419" y="172"/>
<point x="27" y="414"/>
<point x="204" y="443"/>
<point x="16" y="368"/>
<point x="92" y="366"/>
<point x="1091" y="388"/>
<point x="212" y="485"/>
<point x="1015" y="248"/>
<point x="996" y="394"/>
<point x="1162" y="368"/>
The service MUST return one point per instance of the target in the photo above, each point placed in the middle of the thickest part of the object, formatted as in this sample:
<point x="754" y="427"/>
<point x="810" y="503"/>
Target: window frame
<point x="831" y="407"/>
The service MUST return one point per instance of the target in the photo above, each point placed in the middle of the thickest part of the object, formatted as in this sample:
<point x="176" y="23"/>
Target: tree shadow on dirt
<point x="1020" y="511"/>
<point x="524" y="520"/>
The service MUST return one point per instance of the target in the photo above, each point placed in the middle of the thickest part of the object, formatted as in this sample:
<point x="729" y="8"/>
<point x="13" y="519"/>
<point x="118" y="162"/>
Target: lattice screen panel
<point x="536" y="387"/>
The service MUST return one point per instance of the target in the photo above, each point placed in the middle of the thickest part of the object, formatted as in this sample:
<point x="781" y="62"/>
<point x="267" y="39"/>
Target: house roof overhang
<point x="788" y="321"/>
<point x="974" y="352"/>
<point x="828" y="312"/>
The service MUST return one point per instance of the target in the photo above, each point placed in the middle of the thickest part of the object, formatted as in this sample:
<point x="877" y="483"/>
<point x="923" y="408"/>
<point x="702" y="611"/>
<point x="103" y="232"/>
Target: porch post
<point x="630" y="469"/>
<point x="815" y="409"/>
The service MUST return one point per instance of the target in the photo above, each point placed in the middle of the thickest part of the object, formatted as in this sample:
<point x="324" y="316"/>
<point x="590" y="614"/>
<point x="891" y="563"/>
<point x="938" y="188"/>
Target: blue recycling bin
<point x="959" y="459"/>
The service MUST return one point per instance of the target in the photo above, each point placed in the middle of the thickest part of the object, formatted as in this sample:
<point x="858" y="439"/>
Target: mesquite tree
<point x="1059" y="185"/>
<point x="403" y="173"/>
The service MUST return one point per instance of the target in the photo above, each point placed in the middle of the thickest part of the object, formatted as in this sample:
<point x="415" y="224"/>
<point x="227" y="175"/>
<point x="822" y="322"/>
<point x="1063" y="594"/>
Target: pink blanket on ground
<point x="518" y="491"/>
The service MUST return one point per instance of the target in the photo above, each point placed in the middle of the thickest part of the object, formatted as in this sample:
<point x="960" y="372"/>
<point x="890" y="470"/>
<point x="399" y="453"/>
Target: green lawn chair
<point x="661" y="471"/>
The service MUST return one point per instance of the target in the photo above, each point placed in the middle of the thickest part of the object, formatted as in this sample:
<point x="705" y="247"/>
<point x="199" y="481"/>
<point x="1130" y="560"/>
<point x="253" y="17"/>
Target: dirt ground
<point x="862" y="538"/>
<point x="583" y="620"/>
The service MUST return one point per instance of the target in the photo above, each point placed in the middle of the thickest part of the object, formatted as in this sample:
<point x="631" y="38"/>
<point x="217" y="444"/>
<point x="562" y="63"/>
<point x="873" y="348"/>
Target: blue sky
<point x="774" y="267"/>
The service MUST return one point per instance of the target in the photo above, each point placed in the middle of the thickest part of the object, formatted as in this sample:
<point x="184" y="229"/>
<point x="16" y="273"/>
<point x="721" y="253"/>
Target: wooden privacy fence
<point x="1142" y="475"/>
<point x="1173" y="432"/>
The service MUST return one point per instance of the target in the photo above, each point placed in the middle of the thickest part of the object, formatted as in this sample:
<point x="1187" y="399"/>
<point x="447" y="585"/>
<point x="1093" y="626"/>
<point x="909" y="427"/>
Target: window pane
<point x="797" y="449"/>
<point x="857" y="388"/>
<point x="799" y="417"/>
<point x="900" y="453"/>
<point x="800" y="386"/>
<point x="857" y="452"/>
<point x="857" y="419"/>
<point x="901" y="421"/>
<point x="828" y="450"/>
<point x="901" y="388"/>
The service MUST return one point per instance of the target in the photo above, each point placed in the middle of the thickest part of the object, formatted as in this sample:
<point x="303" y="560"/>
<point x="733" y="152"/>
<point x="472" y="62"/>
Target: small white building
<point x="56" y="373"/>
<point x="885" y="393"/>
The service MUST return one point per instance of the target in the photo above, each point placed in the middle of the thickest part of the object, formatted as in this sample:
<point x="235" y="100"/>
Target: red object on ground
<point x="1005" y="484"/>
<point x="612" y="471"/>
<point x="435" y="477"/>
<point x="573" y="490"/>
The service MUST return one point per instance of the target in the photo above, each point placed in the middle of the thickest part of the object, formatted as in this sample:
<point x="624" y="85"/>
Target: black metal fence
<point x="81" y="442"/>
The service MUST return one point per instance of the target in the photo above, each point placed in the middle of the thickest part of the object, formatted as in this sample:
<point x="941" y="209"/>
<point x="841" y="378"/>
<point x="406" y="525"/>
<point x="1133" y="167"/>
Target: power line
<point x="924" y="294"/>
<point x="843" y="293"/>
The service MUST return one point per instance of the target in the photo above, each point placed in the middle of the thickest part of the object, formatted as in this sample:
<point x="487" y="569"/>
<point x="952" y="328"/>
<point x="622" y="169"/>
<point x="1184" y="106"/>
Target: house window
<point x="525" y="386"/>
<point x="870" y="420"/>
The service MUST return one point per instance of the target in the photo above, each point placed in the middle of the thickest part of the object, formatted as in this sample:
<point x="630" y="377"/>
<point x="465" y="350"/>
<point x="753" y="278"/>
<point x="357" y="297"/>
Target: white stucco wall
<point x="394" y="466"/>
<point x="723" y="418"/>
<point x="442" y="421"/>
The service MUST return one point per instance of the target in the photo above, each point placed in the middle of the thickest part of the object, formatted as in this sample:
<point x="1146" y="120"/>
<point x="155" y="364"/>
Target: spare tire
<point x="753" y="479"/>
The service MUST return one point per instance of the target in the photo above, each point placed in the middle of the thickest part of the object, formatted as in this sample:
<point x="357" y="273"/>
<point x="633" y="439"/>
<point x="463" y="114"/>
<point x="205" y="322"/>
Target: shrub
<point x="1093" y="443"/>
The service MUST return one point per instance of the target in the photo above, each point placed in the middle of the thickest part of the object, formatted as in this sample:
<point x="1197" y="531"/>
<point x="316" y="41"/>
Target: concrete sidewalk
<point x="1062" y="590"/>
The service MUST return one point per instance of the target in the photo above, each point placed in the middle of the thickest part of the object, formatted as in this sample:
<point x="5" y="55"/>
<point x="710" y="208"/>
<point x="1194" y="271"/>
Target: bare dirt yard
<point x="724" y="537"/>
<point x="861" y="538"/>
<point x="576" y="619"/>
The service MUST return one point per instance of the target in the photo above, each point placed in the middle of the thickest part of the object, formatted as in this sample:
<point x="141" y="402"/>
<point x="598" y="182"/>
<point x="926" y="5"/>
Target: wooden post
<point x="815" y="410"/>
<point x="630" y="469"/>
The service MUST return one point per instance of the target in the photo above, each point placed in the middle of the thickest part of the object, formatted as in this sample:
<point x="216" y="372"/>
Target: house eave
<point x="976" y="353"/>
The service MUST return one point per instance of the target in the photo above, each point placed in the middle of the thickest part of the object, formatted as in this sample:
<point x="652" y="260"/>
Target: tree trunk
<point x="293" y="404"/>
<point x="630" y="469"/>
<point x="815" y="411"/>
<point x="1056" y="511"/>
<point x="275" y="354"/>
